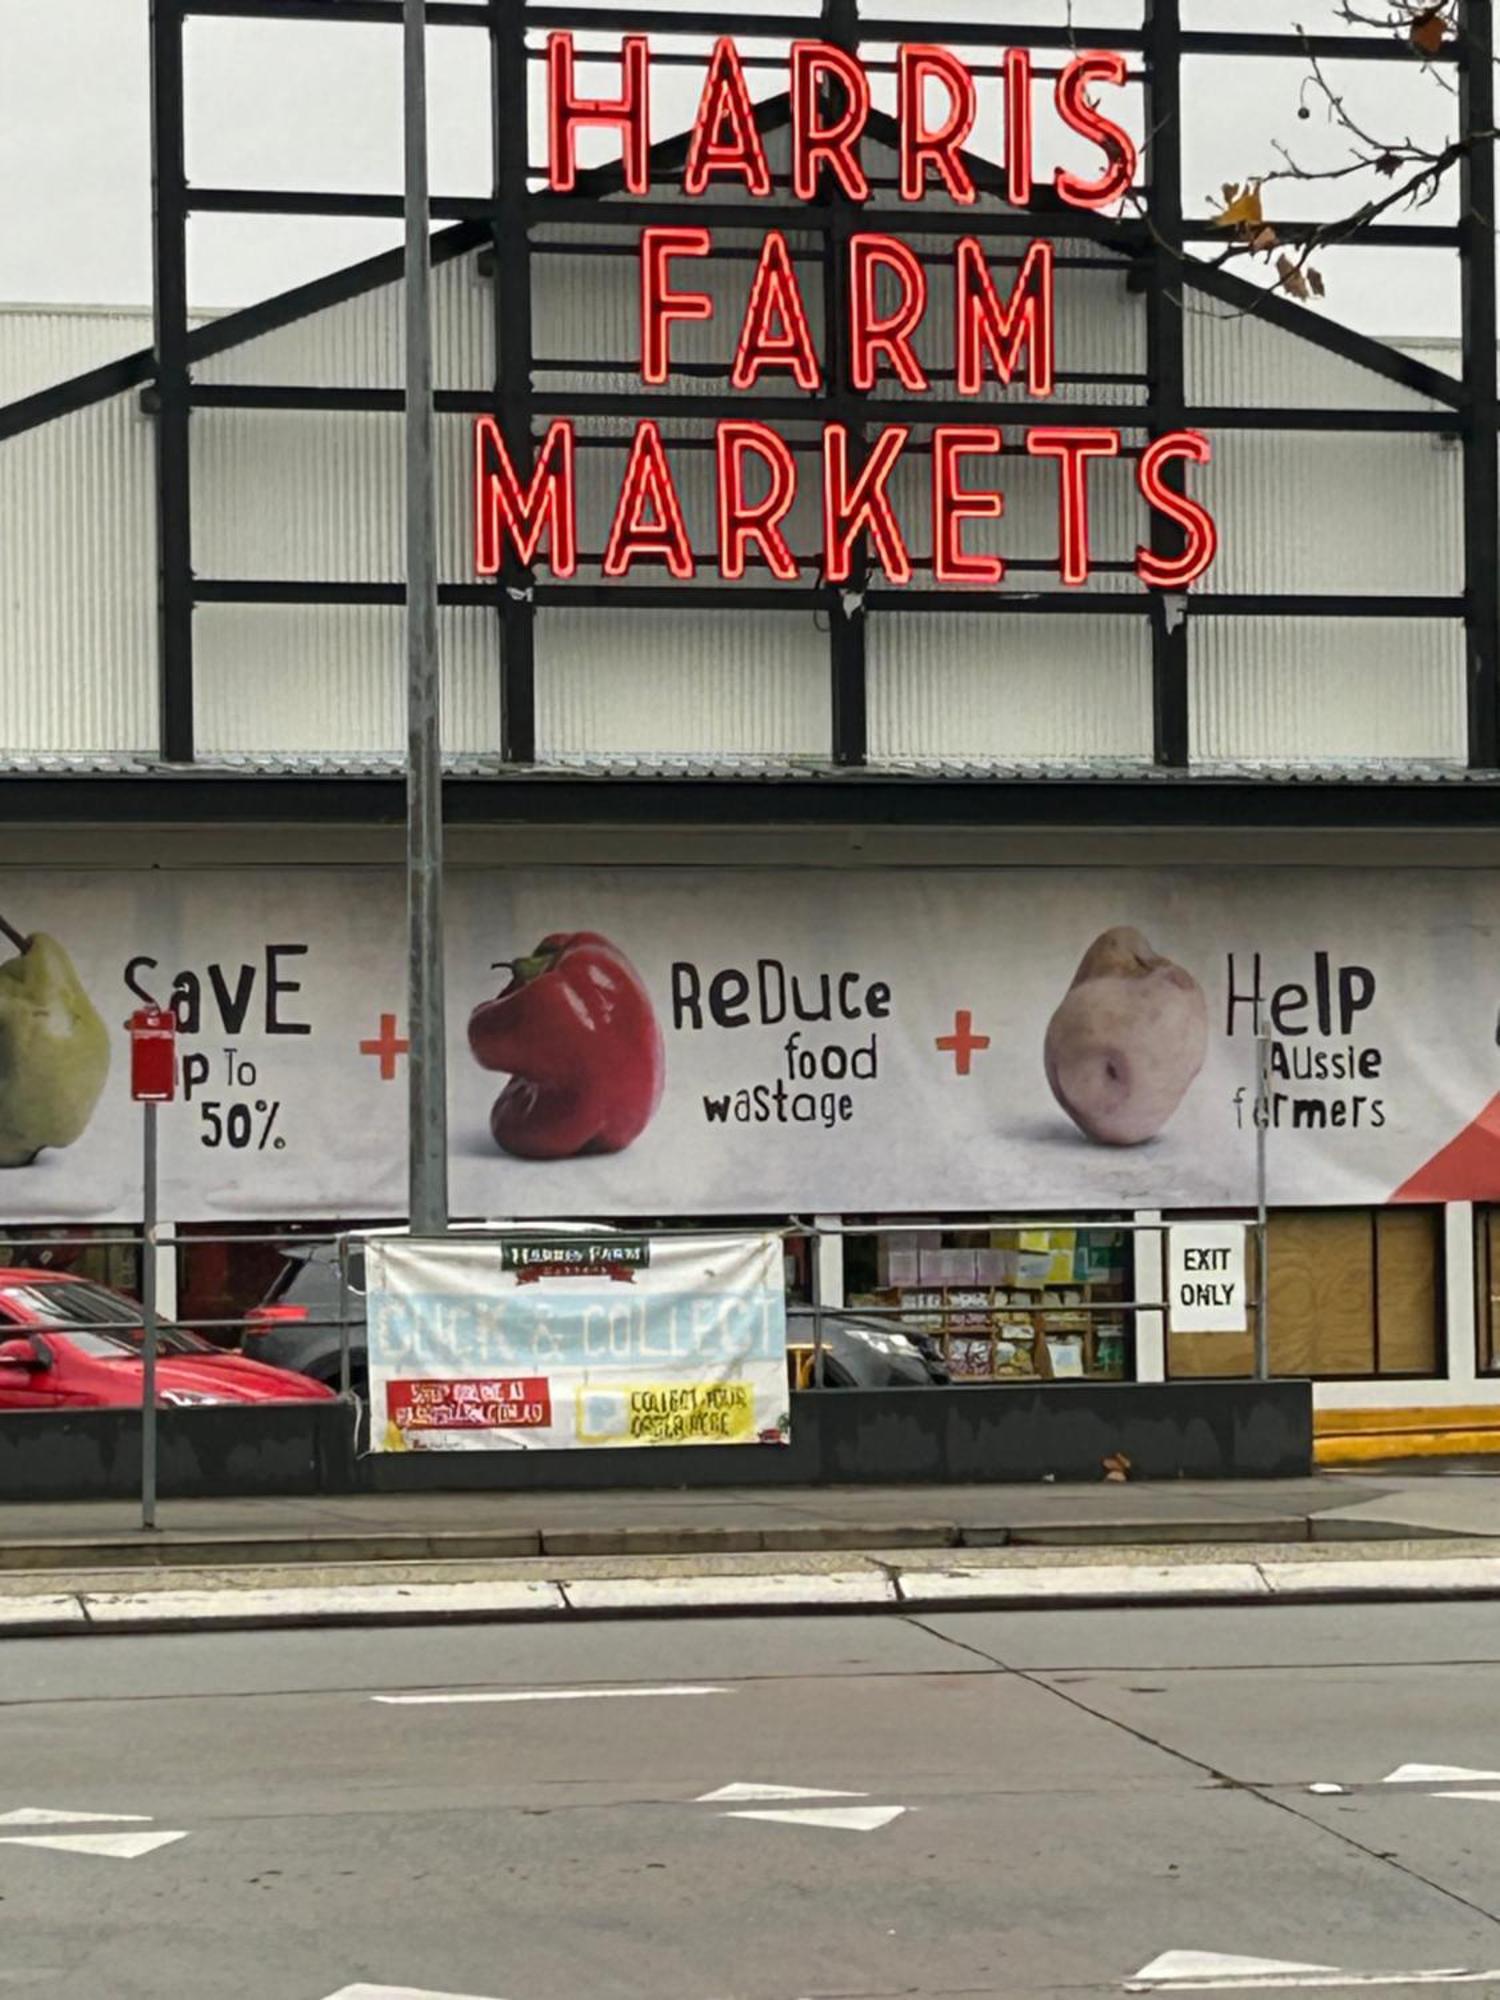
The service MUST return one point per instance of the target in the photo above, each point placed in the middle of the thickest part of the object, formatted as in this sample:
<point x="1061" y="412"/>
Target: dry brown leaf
<point x="1263" y="240"/>
<point x="1315" y="280"/>
<point x="1294" y="282"/>
<point x="1241" y="210"/>
<point x="1429" y="31"/>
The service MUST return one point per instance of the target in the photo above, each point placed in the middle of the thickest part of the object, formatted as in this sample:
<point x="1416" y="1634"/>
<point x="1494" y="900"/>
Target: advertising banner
<point x="571" y="1341"/>
<point x="682" y="1042"/>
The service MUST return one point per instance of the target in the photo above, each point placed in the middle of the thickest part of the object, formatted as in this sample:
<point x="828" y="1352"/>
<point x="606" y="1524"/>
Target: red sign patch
<point x="484" y="1403"/>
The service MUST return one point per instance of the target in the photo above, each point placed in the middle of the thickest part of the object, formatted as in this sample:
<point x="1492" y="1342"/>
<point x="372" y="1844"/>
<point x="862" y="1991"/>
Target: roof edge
<point x="1130" y="238"/>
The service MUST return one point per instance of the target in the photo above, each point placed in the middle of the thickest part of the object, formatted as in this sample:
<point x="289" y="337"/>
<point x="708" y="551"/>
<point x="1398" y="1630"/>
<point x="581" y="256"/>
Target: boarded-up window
<point x="1353" y="1292"/>
<point x="1487" y="1280"/>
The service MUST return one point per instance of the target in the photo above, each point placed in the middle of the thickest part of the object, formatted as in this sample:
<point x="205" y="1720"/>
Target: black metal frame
<point x="506" y="226"/>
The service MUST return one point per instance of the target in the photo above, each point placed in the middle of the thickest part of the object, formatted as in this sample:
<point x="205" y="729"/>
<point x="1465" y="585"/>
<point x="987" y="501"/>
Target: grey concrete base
<point x="1054" y="1431"/>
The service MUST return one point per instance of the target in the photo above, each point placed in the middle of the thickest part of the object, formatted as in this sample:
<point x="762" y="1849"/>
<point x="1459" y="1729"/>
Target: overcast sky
<point x="289" y="104"/>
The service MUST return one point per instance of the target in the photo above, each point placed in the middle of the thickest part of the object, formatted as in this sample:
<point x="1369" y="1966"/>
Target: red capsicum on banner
<point x="577" y="1034"/>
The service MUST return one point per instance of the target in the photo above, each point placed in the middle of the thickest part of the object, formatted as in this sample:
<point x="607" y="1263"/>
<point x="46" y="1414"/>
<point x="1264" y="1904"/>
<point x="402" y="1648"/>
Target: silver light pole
<point x="427" y="1059"/>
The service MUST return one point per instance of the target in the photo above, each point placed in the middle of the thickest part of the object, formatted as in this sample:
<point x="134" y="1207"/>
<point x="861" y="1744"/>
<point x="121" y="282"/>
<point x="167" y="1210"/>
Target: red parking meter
<point x="153" y="1055"/>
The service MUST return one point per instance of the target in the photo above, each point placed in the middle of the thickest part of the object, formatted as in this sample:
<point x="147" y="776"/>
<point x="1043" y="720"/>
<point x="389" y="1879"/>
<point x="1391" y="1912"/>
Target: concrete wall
<point x="1211" y="1430"/>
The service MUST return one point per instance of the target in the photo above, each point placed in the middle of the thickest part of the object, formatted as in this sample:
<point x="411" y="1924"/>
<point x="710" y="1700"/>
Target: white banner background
<point x="641" y="1341"/>
<point x="292" y="987"/>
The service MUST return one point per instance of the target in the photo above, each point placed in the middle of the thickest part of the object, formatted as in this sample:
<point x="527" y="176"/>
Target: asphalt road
<point x="1083" y="1793"/>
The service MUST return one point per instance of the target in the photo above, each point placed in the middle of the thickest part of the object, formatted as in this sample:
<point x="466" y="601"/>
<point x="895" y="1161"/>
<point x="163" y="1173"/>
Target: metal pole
<point x="1262" y="1261"/>
<point x="148" y="1319"/>
<point x="345" y="1376"/>
<point x="815" y="1293"/>
<point x="427" y="1135"/>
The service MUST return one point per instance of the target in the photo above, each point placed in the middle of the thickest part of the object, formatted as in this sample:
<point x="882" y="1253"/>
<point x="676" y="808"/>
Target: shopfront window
<point x="1006" y="1305"/>
<point x="1487" y="1286"/>
<point x="83" y="1252"/>
<point x="1354" y="1292"/>
<point x="224" y="1270"/>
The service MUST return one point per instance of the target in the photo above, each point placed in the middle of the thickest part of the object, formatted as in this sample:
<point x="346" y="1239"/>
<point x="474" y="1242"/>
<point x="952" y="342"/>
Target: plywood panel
<point x="1322" y="1292"/>
<point x="1408" y="1250"/>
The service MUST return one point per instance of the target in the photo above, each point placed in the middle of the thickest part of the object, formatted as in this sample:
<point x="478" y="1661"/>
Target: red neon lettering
<point x="1018" y="127"/>
<point x="743" y="522"/>
<point x="660" y="305"/>
<point x="863" y="508"/>
<point x="776" y="333"/>
<point x="890" y="335"/>
<point x="917" y="65"/>
<point x="1200" y="531"/>
<point x="630" y="113"/>
<point x="835" y="145"/>
<point x="648" y="524"/>
<point x="725" y="139"/>
<point x="953" y="504"/>
<point x="546" y="507"/>
<point x="1078" y="110"/>
<point x="1073" y="449"/>
<point x="985" y="327"/>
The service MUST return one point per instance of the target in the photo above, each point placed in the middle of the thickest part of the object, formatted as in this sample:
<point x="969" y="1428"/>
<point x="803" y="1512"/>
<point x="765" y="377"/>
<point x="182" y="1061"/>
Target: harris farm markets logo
<point x="991" y="336"/>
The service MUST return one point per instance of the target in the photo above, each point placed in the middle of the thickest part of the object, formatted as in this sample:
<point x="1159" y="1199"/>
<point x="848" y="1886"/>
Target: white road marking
<point x="1484" y="1798"/>
<point x="1199" y="1965"/>
<point x="108" y="1846"/>
<point x="1217" y="1972"/>
<point x="44" y="1816"/>
<point x="745" y="1795"/>
<point x="534" y="1694"/>
<point x="401" y="1993"/>
<point x="1438" y="1774"/>
<point x="840" y="1819"/>
<point x="1329" y="1791"/>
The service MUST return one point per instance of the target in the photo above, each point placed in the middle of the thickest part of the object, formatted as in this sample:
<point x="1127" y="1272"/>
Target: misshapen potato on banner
<point x="548" y="1342"/>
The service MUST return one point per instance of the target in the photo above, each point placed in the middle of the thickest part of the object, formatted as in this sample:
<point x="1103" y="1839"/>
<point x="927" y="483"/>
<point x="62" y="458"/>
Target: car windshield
<point x="84" y="1311"/>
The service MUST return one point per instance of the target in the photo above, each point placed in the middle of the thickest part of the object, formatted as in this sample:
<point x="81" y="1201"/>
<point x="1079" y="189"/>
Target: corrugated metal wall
<point x="736" y="684"/>
<point x="332" y="678"/>
<point x="1041" y="688"/>
<point x="358" y="345"/>
<point x="42" y="345"/>
<point x="1317" y="690"/>
<point x="78" y="602"/>
<point x="1337" y="511"/>
<point x="292" y="494"/>
<point x="1235" y="360"/>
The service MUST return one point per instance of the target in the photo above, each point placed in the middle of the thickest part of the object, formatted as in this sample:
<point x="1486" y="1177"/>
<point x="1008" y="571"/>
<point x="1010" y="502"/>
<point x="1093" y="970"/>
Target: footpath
<point x="88" y="1567"/>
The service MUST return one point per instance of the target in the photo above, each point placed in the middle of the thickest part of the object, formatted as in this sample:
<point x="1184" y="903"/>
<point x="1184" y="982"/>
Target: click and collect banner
<point x="564" y="1341"/>
<point x="699" y="1042"/>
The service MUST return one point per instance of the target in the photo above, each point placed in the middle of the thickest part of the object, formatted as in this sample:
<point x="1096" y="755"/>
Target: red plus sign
<point x="963" y="1044"/>
<point x="387" y="1046"/>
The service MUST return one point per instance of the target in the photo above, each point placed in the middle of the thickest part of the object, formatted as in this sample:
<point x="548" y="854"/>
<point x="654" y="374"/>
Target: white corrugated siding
<point x="997" y="686"/>
<point x="1314" y="690"/>
<point x="282" y="494"/>
<point x="359" y="344"/>
<point x="78" y="583"/>
<point x="1235" y="360"/>
<point x="333" y="678"/>
<point x="734" y="683"/>
<point x="1344" y="512"/>
<point x="44" y="345"/>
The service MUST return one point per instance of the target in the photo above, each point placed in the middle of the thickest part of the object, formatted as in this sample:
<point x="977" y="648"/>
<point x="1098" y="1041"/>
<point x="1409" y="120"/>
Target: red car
<point x="67" y="1343"/>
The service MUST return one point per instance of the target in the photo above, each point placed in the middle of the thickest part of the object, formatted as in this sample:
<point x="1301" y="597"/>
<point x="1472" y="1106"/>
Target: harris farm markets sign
<point x="684" y="1042"/>
<point x="1005" y="335"/>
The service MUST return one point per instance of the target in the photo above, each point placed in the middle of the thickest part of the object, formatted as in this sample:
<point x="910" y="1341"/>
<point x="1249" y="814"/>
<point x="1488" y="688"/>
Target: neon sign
<point x="1007" y="336"/>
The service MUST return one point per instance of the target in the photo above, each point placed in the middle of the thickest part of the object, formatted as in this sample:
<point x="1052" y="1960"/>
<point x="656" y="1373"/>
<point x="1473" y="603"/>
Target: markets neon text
<point x="995" y="331"/>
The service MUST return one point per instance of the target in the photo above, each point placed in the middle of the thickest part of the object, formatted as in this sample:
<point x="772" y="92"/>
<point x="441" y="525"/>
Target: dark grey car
<point x="296" y="1326"/>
